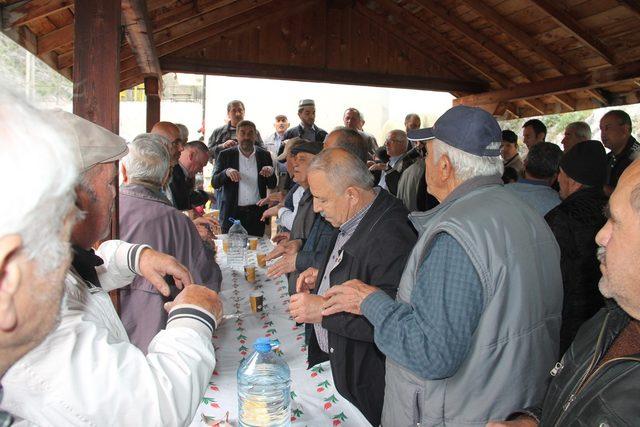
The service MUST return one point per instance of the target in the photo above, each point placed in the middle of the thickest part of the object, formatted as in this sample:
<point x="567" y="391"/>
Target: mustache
<point x="602" y="254"/>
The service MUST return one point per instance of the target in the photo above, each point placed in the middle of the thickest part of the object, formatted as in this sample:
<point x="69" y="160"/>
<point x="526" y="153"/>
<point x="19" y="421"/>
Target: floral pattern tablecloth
<point x="315" y="401"/>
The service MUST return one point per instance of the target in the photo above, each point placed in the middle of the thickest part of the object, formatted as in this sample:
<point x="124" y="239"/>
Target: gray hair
<point x="398" y="134"/>
<point x="465" y="165"/>
<point x="36" y="208"/>
<point x="581" y="129"/>
<point x="148" y="158"/>
<point x="353" y="141"/>
<point x="184" y="132"/>
<point x="344" y="168"/>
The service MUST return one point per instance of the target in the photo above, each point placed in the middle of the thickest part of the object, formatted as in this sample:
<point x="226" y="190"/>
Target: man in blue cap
<point x="477" y="314"/>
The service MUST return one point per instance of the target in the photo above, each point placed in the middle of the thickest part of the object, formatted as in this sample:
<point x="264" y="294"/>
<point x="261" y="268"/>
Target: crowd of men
<point x="448" y="279"/>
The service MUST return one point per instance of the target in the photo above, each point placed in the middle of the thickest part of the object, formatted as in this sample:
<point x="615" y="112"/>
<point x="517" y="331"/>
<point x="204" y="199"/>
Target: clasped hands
<point x="306" y="307"/>
<point x="234" y="174"/>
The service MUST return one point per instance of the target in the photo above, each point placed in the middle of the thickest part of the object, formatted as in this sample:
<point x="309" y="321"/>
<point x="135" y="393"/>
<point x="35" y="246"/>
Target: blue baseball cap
<point x="470" y="129"/>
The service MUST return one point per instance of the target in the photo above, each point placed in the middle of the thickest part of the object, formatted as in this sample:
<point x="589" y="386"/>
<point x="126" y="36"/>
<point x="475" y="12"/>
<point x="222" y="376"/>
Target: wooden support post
<point x="153" y="101"/>
<point x="96" y="72"/>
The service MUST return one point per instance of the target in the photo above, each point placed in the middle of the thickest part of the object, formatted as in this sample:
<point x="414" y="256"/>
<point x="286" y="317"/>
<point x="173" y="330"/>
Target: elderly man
<point x="372" y="242"/>
<point x="353" y="119"/>
<point x="174" y="136"/>
<point x="273" y="142"/>
<point x="147" y="217"/>
<point x="225" y="136"/>
<point x="540" y="174"/>
<point x="297" y="255"/>
<point x="243" y="174"/>
<point x="193" y="159"/>
<point x="509" y="151"/>
<point x="90" y="346"/>
<point x="575" y="222"/>
<point x="574" y="133"/>
<point x="412" y="187"/>
<point x="34" y="228"/>
<point x="476" y="308"/>
<point x="389" y="176"/>
<point x="533" y="132"/>
<point x="615" y="130"/>
<point x="597" y="382"/>
<point x="307" y="128"/>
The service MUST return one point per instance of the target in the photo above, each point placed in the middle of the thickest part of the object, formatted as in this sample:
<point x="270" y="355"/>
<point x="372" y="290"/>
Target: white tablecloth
<point x="315" y="401"/>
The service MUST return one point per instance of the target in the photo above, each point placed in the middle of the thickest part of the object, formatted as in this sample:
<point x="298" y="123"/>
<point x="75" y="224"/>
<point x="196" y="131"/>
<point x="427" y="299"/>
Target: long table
<point x="315" y="401"/>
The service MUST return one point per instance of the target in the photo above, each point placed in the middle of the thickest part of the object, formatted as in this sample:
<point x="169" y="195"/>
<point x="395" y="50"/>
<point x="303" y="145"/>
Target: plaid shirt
<point x="432" y="335"/>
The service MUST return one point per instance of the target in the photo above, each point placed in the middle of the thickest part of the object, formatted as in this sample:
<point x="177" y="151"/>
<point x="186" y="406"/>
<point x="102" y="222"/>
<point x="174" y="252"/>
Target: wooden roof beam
<point x="140" y="37"/>
<point x="487" y="43"/>
<point x="201" y="27"/>
<point x="55" y="39"/>
<point x="26" y="11"/>
<point x="633" y="5"/>
<point x="522" y="37"/>
<point x="425" y="27"/>
<point x="382" y="22"/>
<point x="313" y="74"/>
<point x="569" y="23"/>
<point x="557" y="85"/>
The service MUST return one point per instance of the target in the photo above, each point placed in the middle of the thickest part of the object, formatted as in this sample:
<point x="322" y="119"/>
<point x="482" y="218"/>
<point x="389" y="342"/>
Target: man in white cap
<point x="307" y="128"/>
<point x="35" y="226"/>
<point x="86" y="371"/>
<point x="477" y="313"/>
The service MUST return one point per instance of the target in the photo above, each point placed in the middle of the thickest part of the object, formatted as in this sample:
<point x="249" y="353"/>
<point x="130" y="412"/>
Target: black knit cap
<point x="586" y="163"/>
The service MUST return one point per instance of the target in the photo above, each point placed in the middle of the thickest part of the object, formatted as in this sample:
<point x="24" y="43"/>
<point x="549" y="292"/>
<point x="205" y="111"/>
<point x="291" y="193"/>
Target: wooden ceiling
<point x="515" y="58"/>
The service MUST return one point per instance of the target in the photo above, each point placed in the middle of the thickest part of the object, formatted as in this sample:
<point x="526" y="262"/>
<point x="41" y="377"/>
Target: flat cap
<point x="95" y="143"/>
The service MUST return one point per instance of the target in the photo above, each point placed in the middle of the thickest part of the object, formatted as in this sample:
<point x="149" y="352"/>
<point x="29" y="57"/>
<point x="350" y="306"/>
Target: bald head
<point x="345" y="169"/>
<point x="172" y="133"/>
<point x="349" y="139"/>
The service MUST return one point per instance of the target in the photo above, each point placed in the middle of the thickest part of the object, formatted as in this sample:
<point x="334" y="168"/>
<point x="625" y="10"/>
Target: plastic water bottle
<point x="264" y="385"/>
<point x="238" y="237"/>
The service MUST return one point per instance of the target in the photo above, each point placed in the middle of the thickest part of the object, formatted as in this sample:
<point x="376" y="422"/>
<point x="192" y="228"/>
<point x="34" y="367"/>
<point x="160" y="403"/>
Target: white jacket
<point x="87" y="373"/>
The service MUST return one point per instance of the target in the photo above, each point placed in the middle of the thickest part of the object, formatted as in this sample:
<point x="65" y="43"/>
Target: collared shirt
<point x="248" y="192"/>
<point x="5" y="418"/>
<point x="346" y="231"/>
<point x="392" y="162"/>
<point x="286" y="215"/>
<point x="617" y="164"/>
<point x="434" y="332"/>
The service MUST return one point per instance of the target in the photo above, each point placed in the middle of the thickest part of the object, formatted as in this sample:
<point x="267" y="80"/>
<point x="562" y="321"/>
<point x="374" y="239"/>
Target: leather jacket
<point x="581" y="392"/>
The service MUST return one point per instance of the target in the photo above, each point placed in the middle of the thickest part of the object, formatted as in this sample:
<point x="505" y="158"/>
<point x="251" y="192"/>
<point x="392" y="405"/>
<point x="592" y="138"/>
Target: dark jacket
<point x="575" y="223"/>
<point x="297" y="131"/>
<point x="617" y="164"/>
<point x="185" y="196"/>
<point x="392" y="176"/>
<point x="580" y="395"/>
<point x="223" y="134"/>
<point x="229" y="159"/>
<point x="376" y="254"/>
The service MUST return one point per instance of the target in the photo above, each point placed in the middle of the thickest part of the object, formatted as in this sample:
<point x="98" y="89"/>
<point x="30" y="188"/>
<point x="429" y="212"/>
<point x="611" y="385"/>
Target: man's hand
<point x="378" y="167"/>
<point x="521" y="421"/>
<point x="202" y="297"/>
<point x="233" y="174"/>
<point x="272" y="211"/>
<point x="306" y="308"/>
<point x="155" y="265"/>
<point x="347" y="297"/>
<point x="266" y="171"/>
<point x="286" y="264"/>
<point x="291" y="247"/>
<point x="272" y="199"/>
<point x="281" y="237"/>
<point x="307" y="280"/>
<point x="229" y="143"/>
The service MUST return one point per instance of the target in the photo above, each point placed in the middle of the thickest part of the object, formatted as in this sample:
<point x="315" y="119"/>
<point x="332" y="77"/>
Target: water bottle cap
<point x="262" y="345"/>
